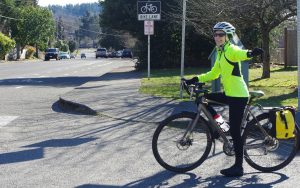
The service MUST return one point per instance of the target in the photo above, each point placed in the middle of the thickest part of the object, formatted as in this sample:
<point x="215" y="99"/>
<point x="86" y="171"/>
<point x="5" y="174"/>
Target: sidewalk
<point x="116" y="95"/>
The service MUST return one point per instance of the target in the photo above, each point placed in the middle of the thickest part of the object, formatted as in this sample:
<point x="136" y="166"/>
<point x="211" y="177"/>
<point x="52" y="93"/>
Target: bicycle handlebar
<point x="196" y="88"/>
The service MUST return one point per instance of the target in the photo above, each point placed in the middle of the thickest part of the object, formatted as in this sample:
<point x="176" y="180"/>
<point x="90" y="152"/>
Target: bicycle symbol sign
<point x="148" y="10"/>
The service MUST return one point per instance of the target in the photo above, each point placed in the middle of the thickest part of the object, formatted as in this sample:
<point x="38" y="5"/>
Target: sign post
<point x="148" y="11"/>
<point x="298" y="58"/>
<point x="182" y="43"/>
<point x="148" y="30"/>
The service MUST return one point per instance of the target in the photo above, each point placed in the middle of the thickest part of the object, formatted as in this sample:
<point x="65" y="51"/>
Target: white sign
<point x="149" y="27"/>
<point x="149" y="17"/>
<point x="148" y="10"/>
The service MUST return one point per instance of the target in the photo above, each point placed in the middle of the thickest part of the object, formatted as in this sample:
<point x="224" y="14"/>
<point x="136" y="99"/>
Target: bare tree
<point x="265" y="15"/>
<point x="202" y="15"/>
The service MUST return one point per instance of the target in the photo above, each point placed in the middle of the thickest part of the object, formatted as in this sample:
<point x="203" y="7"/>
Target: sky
<point x="45" y="3"/>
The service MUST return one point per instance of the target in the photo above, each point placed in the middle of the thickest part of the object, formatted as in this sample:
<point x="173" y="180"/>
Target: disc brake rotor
<point x="184" y="144"/>
<point x="271" y="144"/>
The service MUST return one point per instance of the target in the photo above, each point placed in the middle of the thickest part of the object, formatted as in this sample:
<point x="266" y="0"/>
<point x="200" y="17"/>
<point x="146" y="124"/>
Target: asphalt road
<point x="41" y="146"/>
<point x="23" y="84"/>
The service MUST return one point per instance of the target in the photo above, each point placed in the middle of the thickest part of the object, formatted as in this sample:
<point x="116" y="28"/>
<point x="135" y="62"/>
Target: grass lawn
<point x="280" y="89"/>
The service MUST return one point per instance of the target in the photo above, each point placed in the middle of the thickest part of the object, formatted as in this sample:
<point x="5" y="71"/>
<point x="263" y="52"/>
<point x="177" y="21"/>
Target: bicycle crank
<point x="228" y="149"/>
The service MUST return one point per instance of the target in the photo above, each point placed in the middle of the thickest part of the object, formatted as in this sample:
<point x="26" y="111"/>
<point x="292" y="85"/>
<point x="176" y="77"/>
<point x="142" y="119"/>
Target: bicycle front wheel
<point x="179" y="153"/>
<point x="265" y="153"/>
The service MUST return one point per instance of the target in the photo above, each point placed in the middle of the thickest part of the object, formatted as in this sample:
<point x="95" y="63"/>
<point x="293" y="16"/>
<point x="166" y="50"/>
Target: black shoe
<point x="233" y="171"/>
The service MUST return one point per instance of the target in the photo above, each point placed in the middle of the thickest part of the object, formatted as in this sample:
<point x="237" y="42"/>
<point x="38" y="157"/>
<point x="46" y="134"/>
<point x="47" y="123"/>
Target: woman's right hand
<point x="192" y="81"/>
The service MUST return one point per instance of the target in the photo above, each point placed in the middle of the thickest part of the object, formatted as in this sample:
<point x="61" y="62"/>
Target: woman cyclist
<point x="236" y="94"/>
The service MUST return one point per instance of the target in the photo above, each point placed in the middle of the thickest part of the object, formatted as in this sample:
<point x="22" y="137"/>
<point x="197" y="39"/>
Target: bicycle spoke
<point x="179" y="150"/>
<point x="266" y="153"/>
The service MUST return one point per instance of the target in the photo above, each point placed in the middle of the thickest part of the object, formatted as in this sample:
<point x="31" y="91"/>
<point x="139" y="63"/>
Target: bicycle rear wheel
<point x="175" y="153"/>
<point x="269" y="154"/>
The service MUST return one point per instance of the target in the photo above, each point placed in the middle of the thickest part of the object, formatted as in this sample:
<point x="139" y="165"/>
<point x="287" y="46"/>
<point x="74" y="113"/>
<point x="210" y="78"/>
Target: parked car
<point x="51" y="53"/>
<point x="127" y="53"/>
<point x="109" y="54"/>
<point x="101" y="52"/>
<point x="72" y="56"/>
<point x="114" y="54"/>
<point x="119" y="53"/>
<point x="63" y="55"/>
<point x="82" y="55"/>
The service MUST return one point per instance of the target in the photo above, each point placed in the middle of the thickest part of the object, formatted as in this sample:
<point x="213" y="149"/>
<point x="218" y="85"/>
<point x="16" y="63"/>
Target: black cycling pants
<point x="236" y="111"/>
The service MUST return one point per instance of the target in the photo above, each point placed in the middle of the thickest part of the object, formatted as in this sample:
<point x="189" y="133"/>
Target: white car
<point x="119" y="53"/>
<point x="101" y="52"/>
<point x="63" y="55"/>
<point x="72" y="56"/>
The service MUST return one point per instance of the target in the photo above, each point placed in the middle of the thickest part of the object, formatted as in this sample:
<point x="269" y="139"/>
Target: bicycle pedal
<point x="216" y="135"/>
<point x="221" y="140"/>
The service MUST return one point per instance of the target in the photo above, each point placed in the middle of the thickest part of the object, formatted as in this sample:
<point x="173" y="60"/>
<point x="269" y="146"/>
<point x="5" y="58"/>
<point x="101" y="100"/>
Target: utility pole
<point x="183" y="42"/>
<point x="298" y="48"/>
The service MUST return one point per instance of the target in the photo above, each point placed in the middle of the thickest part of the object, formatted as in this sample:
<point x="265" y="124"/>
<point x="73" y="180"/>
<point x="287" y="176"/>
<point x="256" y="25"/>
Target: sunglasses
<point x="219" y="34"/>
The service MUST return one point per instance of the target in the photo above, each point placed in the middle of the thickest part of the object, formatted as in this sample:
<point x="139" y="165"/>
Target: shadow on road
<point x="21" y="156"/>
<point x="192" y="180"/>
<point x="68" y="81"/>
<point x="62" y="142"/>
<point x="51" y="81"/>
<point x="38" y="152"/>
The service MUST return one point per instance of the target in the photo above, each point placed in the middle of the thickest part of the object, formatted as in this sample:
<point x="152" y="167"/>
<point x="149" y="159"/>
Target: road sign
<point x="148" y="10"/>
<point x="148" y="27"/>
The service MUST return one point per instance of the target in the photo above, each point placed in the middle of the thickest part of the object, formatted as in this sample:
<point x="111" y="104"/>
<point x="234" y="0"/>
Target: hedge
<point x="6" y="44"/>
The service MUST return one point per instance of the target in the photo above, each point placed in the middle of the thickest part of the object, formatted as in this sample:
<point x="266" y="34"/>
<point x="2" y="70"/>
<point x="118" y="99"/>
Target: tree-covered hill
<point x="77" y="10"/>
<point x="77" y="22"/>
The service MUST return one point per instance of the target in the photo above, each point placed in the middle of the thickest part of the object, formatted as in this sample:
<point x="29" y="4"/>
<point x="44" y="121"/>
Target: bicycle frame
<point x="191" y="126"/>
<point x="214" y="126"/>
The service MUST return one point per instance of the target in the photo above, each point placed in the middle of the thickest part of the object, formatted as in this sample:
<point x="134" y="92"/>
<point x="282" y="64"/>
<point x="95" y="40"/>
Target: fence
<point x="286" y="53"/>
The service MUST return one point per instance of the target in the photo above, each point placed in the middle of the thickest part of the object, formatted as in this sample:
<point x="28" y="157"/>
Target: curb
<point x="70" y="106"/>
<point x="73" y="106"/>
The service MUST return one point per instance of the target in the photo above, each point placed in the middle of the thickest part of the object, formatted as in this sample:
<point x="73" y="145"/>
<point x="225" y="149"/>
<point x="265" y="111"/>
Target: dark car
<point x="51" y="53"/>
<point x="127" y="53"/>
<point x="82" y="55"/>
<point x="114" y="54"/>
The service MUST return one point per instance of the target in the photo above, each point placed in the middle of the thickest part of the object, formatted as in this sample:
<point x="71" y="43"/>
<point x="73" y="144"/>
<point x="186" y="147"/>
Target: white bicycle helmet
<point x="224" y="26"/>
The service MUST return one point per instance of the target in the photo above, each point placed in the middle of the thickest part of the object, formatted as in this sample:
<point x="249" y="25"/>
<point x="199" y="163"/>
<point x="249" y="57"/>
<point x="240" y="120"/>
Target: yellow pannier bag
<point x="284" y="121"/>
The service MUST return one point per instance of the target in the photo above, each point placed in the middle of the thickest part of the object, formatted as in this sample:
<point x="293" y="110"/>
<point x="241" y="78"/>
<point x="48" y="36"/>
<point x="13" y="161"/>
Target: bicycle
<point x="183" y="141"/>
<point x="149" y="8"/>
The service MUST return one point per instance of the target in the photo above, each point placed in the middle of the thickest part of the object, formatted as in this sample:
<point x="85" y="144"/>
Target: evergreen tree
<point x="60" y="34"/>
<point x="166" y="41"/>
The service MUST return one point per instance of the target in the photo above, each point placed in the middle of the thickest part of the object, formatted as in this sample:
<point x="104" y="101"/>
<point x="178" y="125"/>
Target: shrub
<point x="30" y="51"/>
<point x="6" y="44"/>
<point x="62" y="45"/>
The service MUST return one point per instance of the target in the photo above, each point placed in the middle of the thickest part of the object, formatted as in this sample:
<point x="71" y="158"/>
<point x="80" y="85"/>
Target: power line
<point x="97" y="32"/>
<point x="10" y="18"/>
<point x="88" y="30"/>
<point x="68" y="25"/>
<point x="11" y="7"/>
<point x="7" y="5"/>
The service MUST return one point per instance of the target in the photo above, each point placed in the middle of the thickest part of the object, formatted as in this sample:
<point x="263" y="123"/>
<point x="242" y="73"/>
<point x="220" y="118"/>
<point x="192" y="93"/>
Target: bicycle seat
<point x="256" y="94"/>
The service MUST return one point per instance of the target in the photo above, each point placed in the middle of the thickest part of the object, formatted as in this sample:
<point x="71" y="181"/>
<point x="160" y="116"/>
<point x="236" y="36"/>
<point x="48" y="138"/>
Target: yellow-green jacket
<point x="228" y="64"/>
